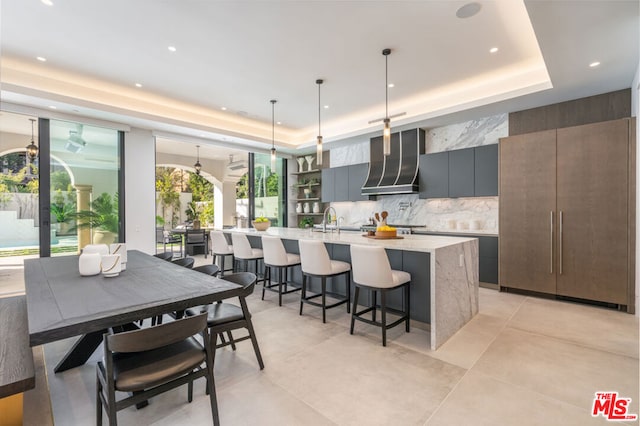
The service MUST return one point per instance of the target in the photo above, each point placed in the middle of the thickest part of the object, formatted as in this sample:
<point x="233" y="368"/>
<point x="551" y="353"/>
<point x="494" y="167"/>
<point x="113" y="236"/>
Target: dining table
<point x="62" y="304"/>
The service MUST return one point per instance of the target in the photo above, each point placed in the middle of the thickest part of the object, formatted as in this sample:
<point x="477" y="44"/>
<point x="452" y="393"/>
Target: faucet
<point x="340" y="219"/>
<point x="324" y="217"/>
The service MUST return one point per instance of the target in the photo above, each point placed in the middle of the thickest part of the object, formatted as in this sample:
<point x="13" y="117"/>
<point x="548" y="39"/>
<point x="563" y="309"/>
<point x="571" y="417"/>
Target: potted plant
<point x="261" y="223"/>
<point x="103" y="219"/>
<point x="62" y="213"/>
<point x="306" y="222"/>
<point x="193" y="214"/>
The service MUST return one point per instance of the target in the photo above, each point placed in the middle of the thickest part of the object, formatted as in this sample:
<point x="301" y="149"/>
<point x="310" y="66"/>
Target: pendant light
<point x="32" y="148"/>
<point x="319" y="143"/>
<point x="198" y="166"/>
<point x="273" y="139"/>
<point x="386" y="132"/>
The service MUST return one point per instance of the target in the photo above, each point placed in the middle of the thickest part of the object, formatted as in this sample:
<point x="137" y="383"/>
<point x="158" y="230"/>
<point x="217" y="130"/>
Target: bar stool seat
<point x="316" y="263"/>
<point x="372" y="271"/>
<point x="275" y="256"/>
<point x="220" y="248"/>
<point x="244" y="253"/>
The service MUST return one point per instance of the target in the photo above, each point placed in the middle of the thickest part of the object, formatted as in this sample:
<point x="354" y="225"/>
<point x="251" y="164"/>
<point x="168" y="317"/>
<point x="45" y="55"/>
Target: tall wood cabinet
<point x="567" y="200"/>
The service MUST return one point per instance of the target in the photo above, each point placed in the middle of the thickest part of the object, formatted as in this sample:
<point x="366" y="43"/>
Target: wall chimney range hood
<point x="396" y="173"/>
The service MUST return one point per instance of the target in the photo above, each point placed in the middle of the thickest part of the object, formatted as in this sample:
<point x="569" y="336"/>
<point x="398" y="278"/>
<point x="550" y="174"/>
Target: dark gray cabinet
<point x="469" y="172"/>
<point x="357" y="177"/>
<point x="328" y="178"/>
<point x="434" y="175"/>
<point x="461" y="173"/>
<point x="344" y="183"/>
<point x="486" y="170"/>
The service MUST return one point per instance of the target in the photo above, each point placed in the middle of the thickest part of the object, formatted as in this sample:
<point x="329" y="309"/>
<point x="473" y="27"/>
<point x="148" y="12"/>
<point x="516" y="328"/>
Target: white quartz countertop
<point x="423" y="243"/>
<point x="470" y="232"/>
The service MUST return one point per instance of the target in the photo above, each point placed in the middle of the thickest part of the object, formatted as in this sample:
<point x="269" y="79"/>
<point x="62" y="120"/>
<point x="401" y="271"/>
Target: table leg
<point x="81" y="351"/>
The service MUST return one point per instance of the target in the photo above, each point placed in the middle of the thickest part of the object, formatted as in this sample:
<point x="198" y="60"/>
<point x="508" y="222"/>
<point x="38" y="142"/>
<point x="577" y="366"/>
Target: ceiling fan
<point x="75" y="142"/>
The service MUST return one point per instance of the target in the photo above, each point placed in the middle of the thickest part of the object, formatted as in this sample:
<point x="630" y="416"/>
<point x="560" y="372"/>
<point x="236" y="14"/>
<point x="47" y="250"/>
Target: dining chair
<point x="372" y="271"/>
<point x="196" y="238"/>
<point x="153" y="360"/>
<point x="225" y="317"/>
<point x="186" y="262"/>
<point x="167" y="255"/>
<point x="212" y="270"/>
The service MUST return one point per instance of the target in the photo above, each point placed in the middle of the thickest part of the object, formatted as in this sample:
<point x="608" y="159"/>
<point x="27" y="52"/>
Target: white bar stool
<point x="316" y="263"/>
<point x="244" y="253"/>
<point x="275" y="256"/>
<point x="372" y="271"/>
<point x="220" y="249"/>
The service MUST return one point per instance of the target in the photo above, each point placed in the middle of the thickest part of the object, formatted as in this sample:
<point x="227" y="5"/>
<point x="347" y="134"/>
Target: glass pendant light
<point x="198" y="166"/>
<point x="273" y="132"/>
<point x="32" y="148"/>
<point x="386" y="133"/>
<point x="319" y="143"/>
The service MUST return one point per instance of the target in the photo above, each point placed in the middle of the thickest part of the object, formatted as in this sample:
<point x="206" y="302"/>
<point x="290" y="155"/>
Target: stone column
<point x="83" y="193"/>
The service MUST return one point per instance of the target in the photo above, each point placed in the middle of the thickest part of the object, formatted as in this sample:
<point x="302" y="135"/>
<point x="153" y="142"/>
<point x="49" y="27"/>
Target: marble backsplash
<point x="442" y="214"/>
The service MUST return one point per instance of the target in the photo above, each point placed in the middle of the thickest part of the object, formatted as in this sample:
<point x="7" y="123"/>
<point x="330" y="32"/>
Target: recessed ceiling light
<point x="172" y="48"/>
<point x="53" y="107"/>
<point x="391" y="85"/>
<point x="326" y="107"/>
<point x="138" y="85"/>
<point x="594" y="64"/>
<point x="468" y="10"/>
<point x="279" y="122"/>
<point x="47" y="2"/>
<point x="41" y="59"/>
<point x="493" y="50"/>
<point x="224" y="108"/>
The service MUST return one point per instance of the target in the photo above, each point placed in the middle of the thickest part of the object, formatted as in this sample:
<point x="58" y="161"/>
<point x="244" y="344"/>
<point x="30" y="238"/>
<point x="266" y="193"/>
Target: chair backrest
<point x="370" y="265"/>
<point x="167" y="255"/>
<point x="246" y="279"/>
<point x="219" y="242"/>
<point x="187" y="262"/>
<point x="146" y="339"/>
<point x="314" y="257"/>
<point x="273" y="251"/>
<point x="159" y="235"/>
<point x="207" y="269"/>
<point x="195" y="236"/>
<point x="241" y="246"/>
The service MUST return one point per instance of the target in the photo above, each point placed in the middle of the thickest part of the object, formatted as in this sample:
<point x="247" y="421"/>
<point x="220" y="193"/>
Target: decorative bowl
<point x="261" y="226"/>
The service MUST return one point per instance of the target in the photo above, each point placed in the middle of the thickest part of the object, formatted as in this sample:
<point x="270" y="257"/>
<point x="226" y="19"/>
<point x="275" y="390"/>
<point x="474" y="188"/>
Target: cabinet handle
<point x="560" y="248"/>
<point x="551" y="243"/>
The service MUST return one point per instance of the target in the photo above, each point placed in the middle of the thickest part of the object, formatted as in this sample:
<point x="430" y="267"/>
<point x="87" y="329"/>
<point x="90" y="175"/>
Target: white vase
<point x="299" y="208"/>
<point x="309" y="159"/>
<point x="101" y="249"/>
<point x="121" y="249"/>
<point x="110" y="265"/>
<point x="300" y="161"/>
<point x="316" y="207"/>
<point x="307" y="208"/>
<point x="89" y="264"/>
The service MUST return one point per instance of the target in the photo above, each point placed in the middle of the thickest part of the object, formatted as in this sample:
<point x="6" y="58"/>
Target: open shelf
<point x="309" y="214"/>
<point x="305" y="172"/>
<point x="306" y="199"/>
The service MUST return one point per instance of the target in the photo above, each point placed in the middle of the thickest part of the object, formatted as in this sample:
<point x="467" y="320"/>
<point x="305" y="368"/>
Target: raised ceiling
<point x="239" y="55"/>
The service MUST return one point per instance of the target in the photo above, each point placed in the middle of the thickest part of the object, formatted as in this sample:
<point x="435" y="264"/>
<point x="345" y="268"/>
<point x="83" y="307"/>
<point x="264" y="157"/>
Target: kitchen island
<point x="444" y="272"/>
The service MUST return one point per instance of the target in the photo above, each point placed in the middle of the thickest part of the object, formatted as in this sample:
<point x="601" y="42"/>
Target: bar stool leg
<point x="383" y="309"/>
<point x="348" y="274"/>
<point x="267" y="276"/>
<point x="324" y="299"/>
<point x="354" y="310"/>
<point x="303" y="292"/>
<point x="280" y="268"/>
<point x="408" y="304"/>
<point x="375" y="302"/>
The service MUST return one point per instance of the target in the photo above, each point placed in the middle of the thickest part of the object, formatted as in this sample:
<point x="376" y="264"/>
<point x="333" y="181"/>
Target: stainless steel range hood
<point x="396" y="173"/>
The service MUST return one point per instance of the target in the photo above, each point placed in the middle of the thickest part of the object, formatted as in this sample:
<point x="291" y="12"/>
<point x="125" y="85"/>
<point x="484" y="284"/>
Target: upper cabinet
<point x="470" y="172"/>
<point x="344" y="183"/>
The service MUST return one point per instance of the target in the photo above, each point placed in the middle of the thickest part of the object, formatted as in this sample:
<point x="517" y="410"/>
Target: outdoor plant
<point x="102" y="216"/>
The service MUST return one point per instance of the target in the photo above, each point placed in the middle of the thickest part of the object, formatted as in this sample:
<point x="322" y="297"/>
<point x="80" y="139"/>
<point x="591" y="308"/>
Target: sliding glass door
<point x="268" y="189"/>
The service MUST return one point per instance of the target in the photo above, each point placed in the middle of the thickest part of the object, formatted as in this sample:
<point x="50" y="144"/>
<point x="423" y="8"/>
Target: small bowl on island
<point x="261" y="223"/>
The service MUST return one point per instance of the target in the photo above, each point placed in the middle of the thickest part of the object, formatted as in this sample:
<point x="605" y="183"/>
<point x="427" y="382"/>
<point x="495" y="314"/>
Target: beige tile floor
<point x="520" y="361"/>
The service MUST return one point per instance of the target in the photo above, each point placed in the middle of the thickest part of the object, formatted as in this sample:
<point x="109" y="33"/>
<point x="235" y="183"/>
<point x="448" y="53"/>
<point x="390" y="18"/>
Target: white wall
<point x="635" y="99"/>
<point x="140" y="177"/>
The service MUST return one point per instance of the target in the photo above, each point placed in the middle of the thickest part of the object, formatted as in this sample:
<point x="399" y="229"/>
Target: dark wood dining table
<point x="61" y="303"/>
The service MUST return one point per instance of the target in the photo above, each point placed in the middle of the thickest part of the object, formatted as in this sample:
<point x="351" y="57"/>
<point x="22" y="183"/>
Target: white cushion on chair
<point x="275" y="253"/>
<point x="371" y="268"/>
<point x="315" y="259"/>
<point x="219" y="243"/>
<point x="243" y="250"/>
